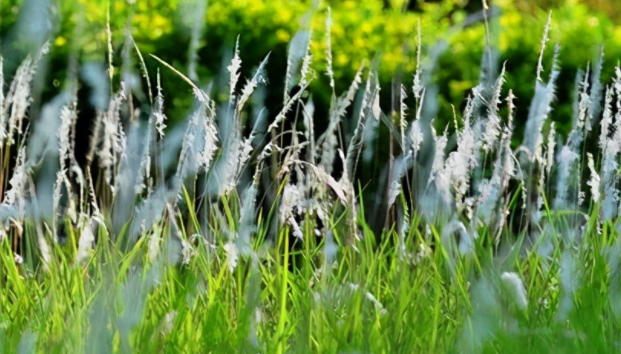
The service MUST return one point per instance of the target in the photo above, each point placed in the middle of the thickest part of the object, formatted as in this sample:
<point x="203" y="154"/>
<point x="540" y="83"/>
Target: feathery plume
<point x="515" y="286"/>
<point x="298" y="50"/>
<point x="247" y="215"/>
<point x="416" y="137"/>
<point x="583" y="105"/>
<point x="187" y="251"/>
<point x="18" y="182"/>
<point x="550" y="149"/>
<point x="539" y="110"/>
<point x="200" y="95"/>
<point x="19" y="97"/>
<point x="18" y="100"/>
<point x="210" y="141"/>
<point x="290" y="204"/>
<point x="113" y="143"/>
<point x="144" y="171"/>
<point x="595" y="94"/>
<point x="608" y="182"/>
<point x="418" y="87"/>
<point x="194" y="155"/>
<point x="492" y="124"/>
<point x="376" y="110"/>
<point x="67" y="117"/>
<point x="400" y="166"/>
<point x="490" y="191"/>
<point x="606" y="121"/>
<point x="369" y="109"/>
<point x="511" y="105"/>
<point x="544" y="40"/>
<point x="459" y="163"/>
<point x="160" y="118"/>
<point x="309" y="131"/>
<point x="328" y="142"/>
<point x="87" y="240"/>
<point x="95" y="138"/>
<point x="438" y="157"/>
<point x="110" y="50"/>
<point x="306" y="72"/>
<point x="231" y="255"/>
<point x="283" y="113"/>
<point x="233" y="69"/>
<point x="240" y="152"/>
<point x="259" y="77"/>
<point x="329" y="70"/>
<point x="60" y="176"/>
<point x="566" y="160"/>
<point x="402" y="109"/>
<point x="155" y="239"/>
<point x="594" y="181"/>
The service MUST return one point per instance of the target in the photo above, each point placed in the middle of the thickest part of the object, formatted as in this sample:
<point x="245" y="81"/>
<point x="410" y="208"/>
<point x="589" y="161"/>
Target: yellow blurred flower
<point x="282" y="35"/>
<point x="60" y="41"/>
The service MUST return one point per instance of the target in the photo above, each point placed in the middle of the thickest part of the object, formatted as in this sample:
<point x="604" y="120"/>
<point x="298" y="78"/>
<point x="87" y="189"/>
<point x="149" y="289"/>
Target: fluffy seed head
<point x="514" y="285"/>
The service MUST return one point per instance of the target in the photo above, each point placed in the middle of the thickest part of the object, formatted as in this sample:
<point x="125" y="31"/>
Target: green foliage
<point x="369" y="298"/>
<point x="190" y="283"/>
<point x="361" y="31"/>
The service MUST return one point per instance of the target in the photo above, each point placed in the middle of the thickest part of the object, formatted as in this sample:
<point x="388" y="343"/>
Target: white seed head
<point x="514" y="285"/>
<point x="594" y="181"/>
<point x="87" y="240"/>
<point x="233" y="70"/>
<point x="231" y="255"/>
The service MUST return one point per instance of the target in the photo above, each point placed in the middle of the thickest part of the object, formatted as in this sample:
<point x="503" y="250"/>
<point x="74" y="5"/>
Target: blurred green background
<point x="361" y="31"/>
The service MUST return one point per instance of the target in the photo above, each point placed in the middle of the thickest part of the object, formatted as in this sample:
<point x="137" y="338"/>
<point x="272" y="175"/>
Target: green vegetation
<point x="362" y="31"/>
<point x="283" y="214"/>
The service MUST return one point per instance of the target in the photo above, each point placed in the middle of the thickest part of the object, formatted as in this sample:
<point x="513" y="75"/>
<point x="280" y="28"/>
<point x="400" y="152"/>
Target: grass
<point x="368" y="300"/>
<point x="196" y="239"/>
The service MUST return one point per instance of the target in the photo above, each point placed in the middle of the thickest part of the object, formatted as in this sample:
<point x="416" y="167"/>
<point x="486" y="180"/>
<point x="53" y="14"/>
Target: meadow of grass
<point x="241" y="230"/>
